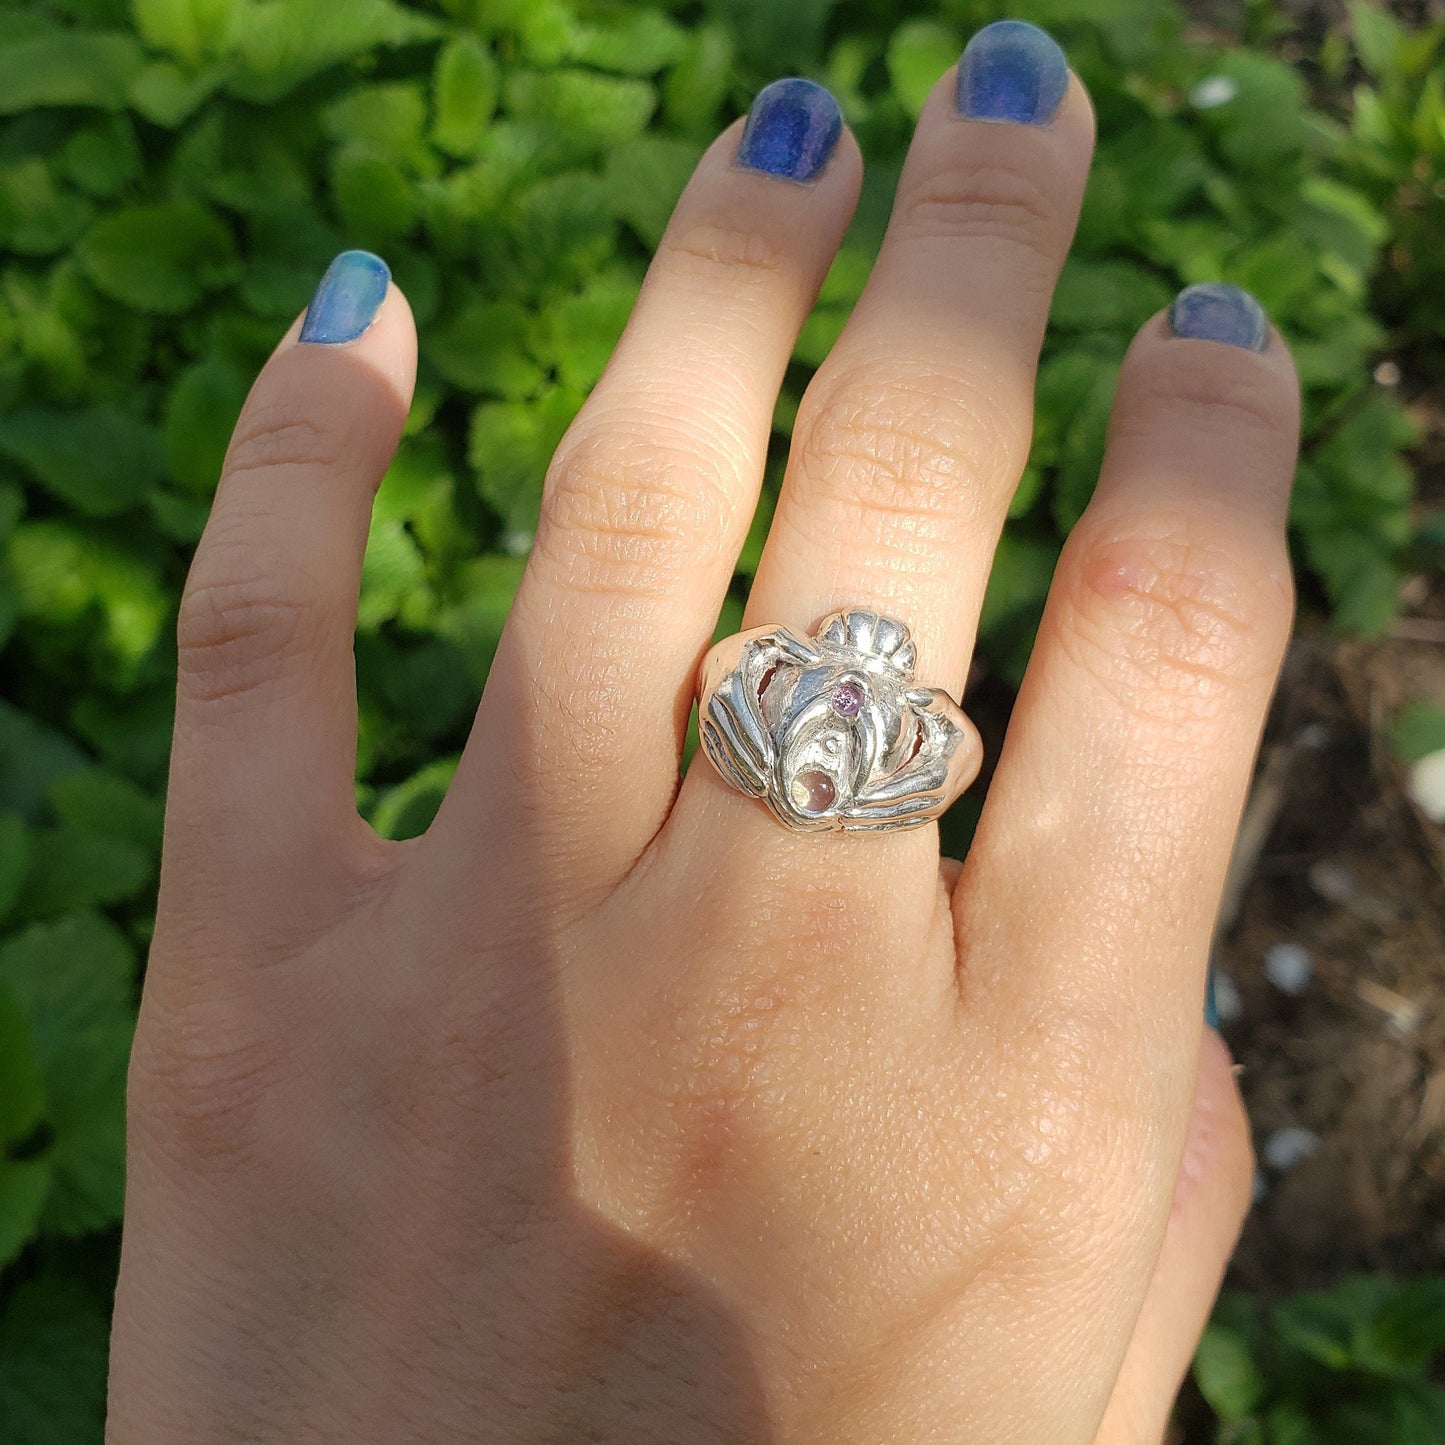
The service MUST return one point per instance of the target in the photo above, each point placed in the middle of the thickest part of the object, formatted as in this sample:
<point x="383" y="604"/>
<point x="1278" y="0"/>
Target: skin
<point x="607" y="1109"/>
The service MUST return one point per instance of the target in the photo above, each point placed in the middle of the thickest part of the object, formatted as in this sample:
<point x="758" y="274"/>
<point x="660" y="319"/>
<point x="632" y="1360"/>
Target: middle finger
<point x="913" y="435"/>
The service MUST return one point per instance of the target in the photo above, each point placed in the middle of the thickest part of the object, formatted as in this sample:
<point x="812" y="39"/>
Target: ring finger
<point x="914" y="433"/>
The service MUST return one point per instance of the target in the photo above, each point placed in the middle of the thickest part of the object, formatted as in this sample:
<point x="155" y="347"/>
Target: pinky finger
<point x="1210" y="1199"/>
<point x="1130" y="749"/>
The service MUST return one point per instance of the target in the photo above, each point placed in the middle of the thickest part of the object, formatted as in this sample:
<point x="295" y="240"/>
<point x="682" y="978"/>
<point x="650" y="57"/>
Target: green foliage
<point x="175" y="174"/>
<point x="1358" y="1363"/>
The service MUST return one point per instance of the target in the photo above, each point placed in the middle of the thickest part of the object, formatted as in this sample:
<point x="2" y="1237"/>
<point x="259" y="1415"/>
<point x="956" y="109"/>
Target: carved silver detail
<point x="830" y="730"/>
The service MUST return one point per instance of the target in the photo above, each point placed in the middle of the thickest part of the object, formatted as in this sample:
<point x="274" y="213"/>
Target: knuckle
<point x="727" y="251"/>
<point x="198" y="1079"/>
<point x="628" y="505"/>
<point x="968" y="199"/>
<point x="1173" y="620"/>
<point x="272" y="435"/>
<point x="240" y="625"/>
<point x="1218" y="1156"/>
<point x="932" y="451"/>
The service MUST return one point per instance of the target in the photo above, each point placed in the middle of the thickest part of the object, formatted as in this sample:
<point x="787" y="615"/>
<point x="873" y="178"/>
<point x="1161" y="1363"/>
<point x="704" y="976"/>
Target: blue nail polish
<point x="1211" y="1001"/>
<point x="1215" y="312"/>
<point x="1014" y="71"/>
<point x="347" y="299"/>
<point x="792" y="129"/>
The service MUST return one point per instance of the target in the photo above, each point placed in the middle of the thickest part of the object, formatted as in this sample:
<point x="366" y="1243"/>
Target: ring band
<point x="829" y="730"/>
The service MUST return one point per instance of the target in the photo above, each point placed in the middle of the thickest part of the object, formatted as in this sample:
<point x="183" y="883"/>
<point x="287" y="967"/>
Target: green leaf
<point x="167" y="95"/>
<point x="1363" y="581"/>
<point x="593" y="111"/>
<point x="85" y="1084"/>
<point x="53" y="1356"/>
<point x="377" y="200"/>
<point x="475" y="625"/>
<point x="483" y="346"/>
<point x="1417" y="1415"/>
<point x="919" y="52"/>
<point x="645" y="177"/>
<point x="1419" y="730"/>
<point x="279" y="43"/>
<point x="406" y="810"/>
<point x="1227" y="1375"/>
<point x="781" y="38"/>
<point x="1262" y="126"/>
<point x="187" y="29"/>
<point x="510" y="448"/>
<point x="160" y="257"/>
<point x="1023" y="568"/>
<point x="32" y="756"/>
<point x="698" y="84"/>
<point x="201" y="410"/>
<point x="393" y="574"/>
<point x="387" y="120"/>
<point x="1287" y="1424"/>
<point x="14" y="860"/>
<point x="37" y="216"/>
<point x="70" y="978"/>
<point x="69" y="67"/>
<point x="578" y="333"/>
<point x="1377" y="38"/>
<point x="24" y="1186"/>
<point x="73" y="869"/>
<point x="1105" y="295"/>
<point x="466" y="86"/>
<point x="99" y="461"/>
<point x="103" y="158"/>
<point x="66" y="574"/>
<point x="92" y="800"/>
<point x="22" y="1091"/>
<point x="130" y="733"/>
<point x="640" y="43"/>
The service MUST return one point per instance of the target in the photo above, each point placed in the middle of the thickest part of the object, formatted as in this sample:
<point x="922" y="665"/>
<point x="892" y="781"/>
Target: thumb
<point x="1216" y="1176"/>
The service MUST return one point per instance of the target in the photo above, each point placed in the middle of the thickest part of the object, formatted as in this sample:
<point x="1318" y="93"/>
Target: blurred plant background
<point x="175" y="175"/>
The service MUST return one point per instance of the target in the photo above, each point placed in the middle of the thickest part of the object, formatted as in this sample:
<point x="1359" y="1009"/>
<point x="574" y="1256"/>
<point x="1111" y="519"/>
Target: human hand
<point x="609" y="1109"/>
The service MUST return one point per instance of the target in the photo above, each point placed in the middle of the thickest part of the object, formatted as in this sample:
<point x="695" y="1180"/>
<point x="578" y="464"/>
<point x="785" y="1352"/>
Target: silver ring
<point x="829" y="730"/>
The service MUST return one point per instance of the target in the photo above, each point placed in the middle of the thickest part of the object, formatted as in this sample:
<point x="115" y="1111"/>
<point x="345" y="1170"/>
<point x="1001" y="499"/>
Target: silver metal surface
<point x="829" y="730"/>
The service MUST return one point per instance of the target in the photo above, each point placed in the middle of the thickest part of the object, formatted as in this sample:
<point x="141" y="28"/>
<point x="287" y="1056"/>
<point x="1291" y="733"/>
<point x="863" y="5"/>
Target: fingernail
<point x="1211" y="1000"/>
<point x="792" y="129"/>
<point x="1215" y="312"/>
<point x="1014" y="71"/>
<point x="347" y="298"/>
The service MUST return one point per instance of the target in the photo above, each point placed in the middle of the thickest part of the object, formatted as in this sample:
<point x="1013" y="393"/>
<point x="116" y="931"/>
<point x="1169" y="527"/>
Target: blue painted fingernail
<point x="347" y="299"/>
<point x="1211" y="1000"/>
<point x="792" y="129"/>
<point x="1014" y="71"/>
<point x="1215" y="312"/>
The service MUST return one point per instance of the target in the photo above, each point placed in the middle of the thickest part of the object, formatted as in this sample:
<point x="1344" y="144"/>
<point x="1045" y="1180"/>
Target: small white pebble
<point x="1227" y="1003"/>
<point x="1289" y="1146"/>
<point x="1334" y="882"/>
<point x="1212" y="91"/>
<point x="1288" y="967"/>
<point x="1427" y="786"/>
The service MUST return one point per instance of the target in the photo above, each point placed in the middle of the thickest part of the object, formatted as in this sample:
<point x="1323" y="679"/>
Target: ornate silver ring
<point x="829" y="730"/>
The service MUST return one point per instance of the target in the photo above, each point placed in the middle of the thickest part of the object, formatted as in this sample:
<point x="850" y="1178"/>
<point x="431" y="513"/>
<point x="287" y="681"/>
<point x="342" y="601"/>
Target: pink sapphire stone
<point x="814" y="792"/>
<point x="847" y="699"/>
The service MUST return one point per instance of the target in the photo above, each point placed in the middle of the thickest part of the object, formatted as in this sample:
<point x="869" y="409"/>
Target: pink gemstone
<point x="847" y="699"/>
<point x="813" y="792"/>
